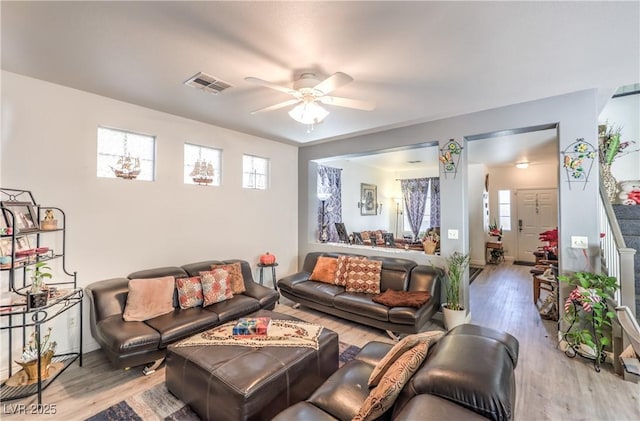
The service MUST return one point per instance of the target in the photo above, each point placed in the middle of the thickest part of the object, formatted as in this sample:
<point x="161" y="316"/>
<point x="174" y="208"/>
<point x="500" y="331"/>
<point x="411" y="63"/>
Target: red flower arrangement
<point x="551" y="238"/>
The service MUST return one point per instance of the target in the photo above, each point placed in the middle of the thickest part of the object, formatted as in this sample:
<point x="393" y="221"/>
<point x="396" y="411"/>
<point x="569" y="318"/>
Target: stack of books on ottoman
<point x="252" y="326"/>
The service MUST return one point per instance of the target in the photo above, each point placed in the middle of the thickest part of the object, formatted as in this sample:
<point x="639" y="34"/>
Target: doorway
<point x="537" y="211"/>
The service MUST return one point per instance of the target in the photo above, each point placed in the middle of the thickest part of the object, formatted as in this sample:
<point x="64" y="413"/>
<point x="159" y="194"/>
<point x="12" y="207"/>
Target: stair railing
<point x="618" y="261"/>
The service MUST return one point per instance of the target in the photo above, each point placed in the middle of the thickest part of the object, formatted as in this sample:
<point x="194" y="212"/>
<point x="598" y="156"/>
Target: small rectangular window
<point x="255" y="172"/>
<point x="504" y="209"/>
<point x="202" y="165"/>
<point x="133" y="151"/>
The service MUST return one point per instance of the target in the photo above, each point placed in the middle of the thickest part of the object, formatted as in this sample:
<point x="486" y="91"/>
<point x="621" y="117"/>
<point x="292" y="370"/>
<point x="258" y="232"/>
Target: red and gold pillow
<point x="235" y="276"/>
<point x="364" y="276"/>
<point x="189" y="292"/>
<point x="324" y="270"/>
<point x="216" y="286"/>
<point x="342" y="268"/>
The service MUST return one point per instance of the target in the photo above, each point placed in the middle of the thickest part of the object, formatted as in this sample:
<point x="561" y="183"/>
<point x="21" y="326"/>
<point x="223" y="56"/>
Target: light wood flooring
<point x="550" y="386"/>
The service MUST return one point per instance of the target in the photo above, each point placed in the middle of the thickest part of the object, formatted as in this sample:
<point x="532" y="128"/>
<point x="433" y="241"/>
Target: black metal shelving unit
<point x="17" y="316"/>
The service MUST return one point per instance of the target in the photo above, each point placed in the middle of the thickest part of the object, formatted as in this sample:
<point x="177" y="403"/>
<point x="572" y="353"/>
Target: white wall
<point x="477" y="233"/>
<point x="538" y="176"/>
<point x="115" y="226"/>
<point x="624" y="112"/>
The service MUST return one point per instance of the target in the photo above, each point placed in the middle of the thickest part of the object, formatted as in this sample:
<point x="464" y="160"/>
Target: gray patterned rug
<point x="156" y="403"/>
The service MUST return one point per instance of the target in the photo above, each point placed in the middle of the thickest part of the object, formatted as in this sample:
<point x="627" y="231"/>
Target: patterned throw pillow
<point x="383" y="396"/>
<point x="148" y="298"/>
<point x="342" y="267"/>
<point x="364" y="276"/>
<point x="400" y="348"/>
<point x="324" y="270"/>
<point x="189" y="292"/>
<point x="235" y="276"/>
<point x="215" y="286"/>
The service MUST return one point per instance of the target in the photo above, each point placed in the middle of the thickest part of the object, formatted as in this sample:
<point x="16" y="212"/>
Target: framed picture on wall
<point x="368" y="199"/>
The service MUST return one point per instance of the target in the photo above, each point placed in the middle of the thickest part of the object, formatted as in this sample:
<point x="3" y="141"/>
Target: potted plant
<point x="37" y="296"/>
<point x="454" y="313"/>
<point x="45" y="350"/>
<point x="588" y="315"/>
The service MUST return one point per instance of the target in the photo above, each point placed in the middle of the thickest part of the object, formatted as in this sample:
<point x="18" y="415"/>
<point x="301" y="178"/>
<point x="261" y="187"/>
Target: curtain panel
<point x="435" y="201"/>
<point x="330" y="181"/>
<point x="414" y="192"/>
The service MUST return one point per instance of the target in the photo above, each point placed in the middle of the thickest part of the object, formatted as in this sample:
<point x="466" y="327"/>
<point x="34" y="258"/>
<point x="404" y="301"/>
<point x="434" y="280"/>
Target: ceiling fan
<point x="307" y="92"/>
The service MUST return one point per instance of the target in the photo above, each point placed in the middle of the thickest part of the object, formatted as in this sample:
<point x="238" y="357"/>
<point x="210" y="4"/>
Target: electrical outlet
<point x="579" y="242"/>
<point x="72" y="322"/>
<point x="452" y="234"/>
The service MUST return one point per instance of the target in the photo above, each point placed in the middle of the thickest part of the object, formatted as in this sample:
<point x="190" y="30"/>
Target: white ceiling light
<point x="308" y="112"/>
<point x="522" y="165"/>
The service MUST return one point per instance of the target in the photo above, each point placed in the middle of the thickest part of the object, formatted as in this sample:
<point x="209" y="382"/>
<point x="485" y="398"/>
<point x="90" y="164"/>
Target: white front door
<point x="537" y="211"/>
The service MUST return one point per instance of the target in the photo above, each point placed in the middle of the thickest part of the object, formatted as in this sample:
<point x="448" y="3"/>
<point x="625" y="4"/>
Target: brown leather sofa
<point x="128" y="344"/>
<point x="468" y="375"/>
<point x="397" y="274"/>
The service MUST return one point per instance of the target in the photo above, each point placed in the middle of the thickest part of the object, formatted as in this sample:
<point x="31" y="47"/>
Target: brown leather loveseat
<point x="397" y="274"/>
<point x="469" y="374"/>
<point x="128" y="344"/>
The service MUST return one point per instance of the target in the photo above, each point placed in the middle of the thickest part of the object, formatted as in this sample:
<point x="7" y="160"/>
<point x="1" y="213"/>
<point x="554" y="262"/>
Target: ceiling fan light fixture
<point x="308" y="113"/>
<point x="522" y="165"/>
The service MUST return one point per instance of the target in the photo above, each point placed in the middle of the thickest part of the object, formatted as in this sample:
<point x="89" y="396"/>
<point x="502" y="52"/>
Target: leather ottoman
<point x="229" y="382"/>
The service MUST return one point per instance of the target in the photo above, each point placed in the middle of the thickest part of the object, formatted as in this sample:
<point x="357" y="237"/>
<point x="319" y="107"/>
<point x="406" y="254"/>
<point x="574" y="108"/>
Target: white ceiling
<point x="419" y="61"/>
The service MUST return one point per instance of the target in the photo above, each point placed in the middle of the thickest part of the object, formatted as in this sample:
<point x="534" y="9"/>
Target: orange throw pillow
<point x="324" y="270"/>
<point x="149" y="298"/>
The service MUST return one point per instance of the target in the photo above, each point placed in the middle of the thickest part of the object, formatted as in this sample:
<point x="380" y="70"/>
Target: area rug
<point x="523" y="263"/>
<point x="157" y="404"/>
<point x="474" y="271"/>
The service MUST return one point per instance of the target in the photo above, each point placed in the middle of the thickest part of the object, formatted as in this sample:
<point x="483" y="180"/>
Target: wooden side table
<point x="494" y="253"/>
<point x="273" y="273"/>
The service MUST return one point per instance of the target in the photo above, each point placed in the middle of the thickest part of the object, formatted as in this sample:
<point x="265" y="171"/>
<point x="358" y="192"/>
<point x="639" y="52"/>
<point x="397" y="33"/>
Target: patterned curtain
<point x="435" y="202"/>
<point x="414" y="191"/>
<point x="329" y="181"/>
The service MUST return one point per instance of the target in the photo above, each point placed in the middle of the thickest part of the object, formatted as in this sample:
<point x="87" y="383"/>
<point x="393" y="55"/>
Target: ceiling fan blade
<point x="276" y="106"/>
<point x="334" y="81"/>
<point x="348" y="102"/>
<point x="271" y="85"/>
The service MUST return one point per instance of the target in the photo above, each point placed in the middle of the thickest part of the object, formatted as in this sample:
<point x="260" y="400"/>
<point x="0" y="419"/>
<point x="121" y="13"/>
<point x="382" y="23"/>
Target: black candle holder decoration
<point x="577" y="161"/>
<point x="450" y="157"/>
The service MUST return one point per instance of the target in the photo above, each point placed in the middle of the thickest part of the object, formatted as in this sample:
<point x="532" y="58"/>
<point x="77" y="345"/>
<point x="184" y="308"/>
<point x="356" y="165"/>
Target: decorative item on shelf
<point x="6" y="231"/>
<point x="267" y="259"/>
<point x="430" y="242"/>
<point x="49" y="222"/>
<point x="127" y="167"/>
<point x="588" y="315"/>
<point x="21" y="215"/>
<point x="494" y="231"/>
<point x="45" y="350"/>
<point x="324" y="233"/>
<point x="202" y="171"/>
<point x="38" y="294"/>
<point x="610" y="147"/>
<point x="450" y="157"/>
<point x="577" y="161"/>
<point x="454" y="313"/>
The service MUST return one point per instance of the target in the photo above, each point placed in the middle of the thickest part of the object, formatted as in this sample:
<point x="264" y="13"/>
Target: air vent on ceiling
<point x="207" y="83"/>
<point x="414" y="162"/>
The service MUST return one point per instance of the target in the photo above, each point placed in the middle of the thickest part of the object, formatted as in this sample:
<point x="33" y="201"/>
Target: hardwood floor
<point x="550" y="386"/>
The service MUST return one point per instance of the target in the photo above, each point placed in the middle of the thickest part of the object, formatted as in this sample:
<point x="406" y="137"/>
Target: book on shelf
<point x="250" y="326"/>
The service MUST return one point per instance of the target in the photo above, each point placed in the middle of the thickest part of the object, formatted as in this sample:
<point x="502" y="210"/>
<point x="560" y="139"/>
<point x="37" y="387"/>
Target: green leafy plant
<point x="587" y="311"/>
<point x="40" y="271"/>
<point x="456" y="265"/>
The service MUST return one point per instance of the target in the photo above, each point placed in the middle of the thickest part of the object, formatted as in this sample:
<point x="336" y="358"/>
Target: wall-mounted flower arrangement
<point x="450" y="157"/>
<point x="578" y="162"/>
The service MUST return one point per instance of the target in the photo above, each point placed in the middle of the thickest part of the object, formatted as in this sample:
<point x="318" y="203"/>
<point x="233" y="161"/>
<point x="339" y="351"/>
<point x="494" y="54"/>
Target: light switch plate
<point x="452" y="234"/>
<point x="578" y="242"/>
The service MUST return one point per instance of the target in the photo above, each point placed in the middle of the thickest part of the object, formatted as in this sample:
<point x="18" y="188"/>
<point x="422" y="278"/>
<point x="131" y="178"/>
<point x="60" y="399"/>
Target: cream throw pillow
<point x="400" y="348"/>
<point x="149" y="298"/>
